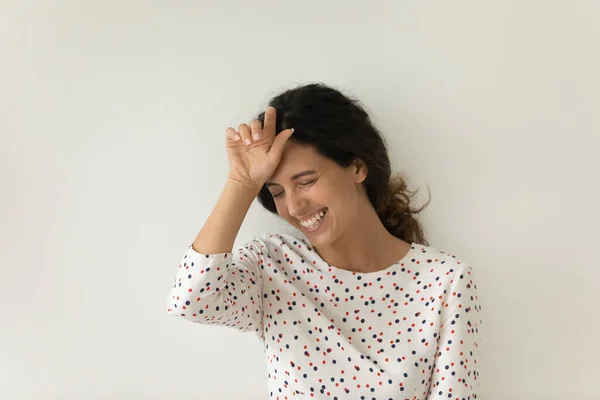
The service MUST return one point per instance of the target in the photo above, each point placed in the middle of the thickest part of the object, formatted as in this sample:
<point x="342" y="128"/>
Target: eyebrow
<point x="298" y="175"/>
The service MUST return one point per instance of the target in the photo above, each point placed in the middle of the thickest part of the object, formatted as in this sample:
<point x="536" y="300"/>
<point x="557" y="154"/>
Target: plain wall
<point x="112" y="125"/>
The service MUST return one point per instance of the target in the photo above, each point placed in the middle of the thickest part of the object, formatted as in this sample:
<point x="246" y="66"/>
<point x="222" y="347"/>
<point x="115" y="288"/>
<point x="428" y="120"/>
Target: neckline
<point x="333" y="269"/>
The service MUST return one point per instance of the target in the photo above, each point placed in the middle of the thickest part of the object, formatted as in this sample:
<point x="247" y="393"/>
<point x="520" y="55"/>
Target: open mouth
<point x="315" y="222"/>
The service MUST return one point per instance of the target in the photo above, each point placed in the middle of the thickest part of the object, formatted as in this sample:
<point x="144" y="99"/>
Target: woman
<point x="358" y="306"/>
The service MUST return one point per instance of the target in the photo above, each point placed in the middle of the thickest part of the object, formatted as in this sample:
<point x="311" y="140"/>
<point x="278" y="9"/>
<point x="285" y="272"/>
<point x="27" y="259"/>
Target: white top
<point x="410" y="331"/>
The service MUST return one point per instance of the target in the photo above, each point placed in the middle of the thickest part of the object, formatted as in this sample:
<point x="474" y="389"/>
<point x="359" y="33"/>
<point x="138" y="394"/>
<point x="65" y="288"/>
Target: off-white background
<point x="112" y="126"/>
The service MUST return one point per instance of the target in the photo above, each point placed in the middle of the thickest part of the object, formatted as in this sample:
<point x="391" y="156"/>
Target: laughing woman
<point x="357" y="305"/>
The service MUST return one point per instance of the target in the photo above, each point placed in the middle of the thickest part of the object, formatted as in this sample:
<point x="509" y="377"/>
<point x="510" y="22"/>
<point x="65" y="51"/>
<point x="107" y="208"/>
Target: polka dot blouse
<point x="410" y="331"/>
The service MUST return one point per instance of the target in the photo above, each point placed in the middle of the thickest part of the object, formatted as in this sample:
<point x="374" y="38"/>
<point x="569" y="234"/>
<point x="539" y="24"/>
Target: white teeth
<point x="309" y="223"/>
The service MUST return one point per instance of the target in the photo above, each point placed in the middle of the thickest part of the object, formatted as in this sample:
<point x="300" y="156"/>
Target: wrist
<point x="243" y="187"/>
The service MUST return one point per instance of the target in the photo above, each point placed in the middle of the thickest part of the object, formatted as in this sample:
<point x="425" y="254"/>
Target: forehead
<point x="296" y="158"/>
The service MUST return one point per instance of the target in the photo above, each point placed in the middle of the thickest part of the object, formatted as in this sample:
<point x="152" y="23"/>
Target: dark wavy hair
<point x="339" y="128"/>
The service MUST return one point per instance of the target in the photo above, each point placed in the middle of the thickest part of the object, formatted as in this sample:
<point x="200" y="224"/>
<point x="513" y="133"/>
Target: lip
<point x="310" y="230"/>
<point x="310" y="215"/>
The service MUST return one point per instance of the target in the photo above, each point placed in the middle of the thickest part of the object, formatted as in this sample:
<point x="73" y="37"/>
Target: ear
<point x="360" y="170"/>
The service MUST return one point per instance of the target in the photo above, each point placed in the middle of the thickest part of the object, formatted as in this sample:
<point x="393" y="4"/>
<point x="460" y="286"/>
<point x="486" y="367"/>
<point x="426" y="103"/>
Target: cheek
<point x="333" y="192"/>
<point x="343" y="201"/>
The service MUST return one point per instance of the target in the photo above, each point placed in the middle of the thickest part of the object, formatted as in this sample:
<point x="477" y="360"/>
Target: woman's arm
<point x="220" y="289"/>
<point x="455" y="371"/>
<point x="222" y="226"/>
<point x="215" y="284"/>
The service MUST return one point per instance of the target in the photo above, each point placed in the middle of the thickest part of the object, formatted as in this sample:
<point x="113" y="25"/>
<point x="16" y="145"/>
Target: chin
<point x="322" y="236"/>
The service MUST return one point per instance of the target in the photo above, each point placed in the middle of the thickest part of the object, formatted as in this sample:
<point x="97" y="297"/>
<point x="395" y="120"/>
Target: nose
<point x="296" y="205"/>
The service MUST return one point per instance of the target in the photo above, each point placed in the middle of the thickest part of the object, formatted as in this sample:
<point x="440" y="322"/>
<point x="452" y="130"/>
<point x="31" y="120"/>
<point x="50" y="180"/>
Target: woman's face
<point x="314" y="194"/>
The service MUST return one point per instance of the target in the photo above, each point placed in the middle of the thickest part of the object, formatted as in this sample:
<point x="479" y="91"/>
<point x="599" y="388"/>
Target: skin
<point x="352" y="236"/>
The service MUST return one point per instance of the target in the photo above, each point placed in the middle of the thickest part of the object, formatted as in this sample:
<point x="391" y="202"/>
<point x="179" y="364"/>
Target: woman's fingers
<point x="277" y="148"/>
<point x="268" y="130"/>
<point x="244" y="132"/>
<point x="256" y="129"/>
<point x="232" y="134"/>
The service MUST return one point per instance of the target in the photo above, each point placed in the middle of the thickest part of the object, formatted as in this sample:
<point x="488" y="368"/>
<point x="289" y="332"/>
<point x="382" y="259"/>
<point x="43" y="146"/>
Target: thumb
<point x="278" y="144"/>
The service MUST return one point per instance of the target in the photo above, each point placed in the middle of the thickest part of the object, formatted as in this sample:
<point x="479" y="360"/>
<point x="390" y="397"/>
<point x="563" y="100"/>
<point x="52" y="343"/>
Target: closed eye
<point x="308" y="183"/>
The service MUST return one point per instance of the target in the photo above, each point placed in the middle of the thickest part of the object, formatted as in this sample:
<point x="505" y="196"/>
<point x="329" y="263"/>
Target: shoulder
<point x="442" y="261"/>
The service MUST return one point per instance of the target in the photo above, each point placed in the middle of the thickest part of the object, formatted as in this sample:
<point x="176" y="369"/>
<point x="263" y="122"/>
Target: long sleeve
<point x="455" y="371"/>
<point x="220" y="289"/>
